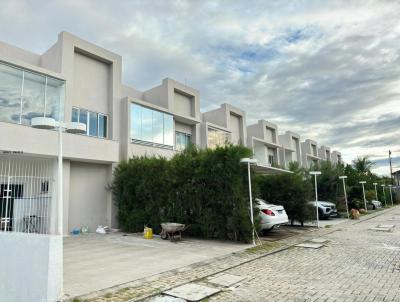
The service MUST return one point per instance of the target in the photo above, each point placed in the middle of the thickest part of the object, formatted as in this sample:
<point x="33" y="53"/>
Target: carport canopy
<point x="268" y="170"/>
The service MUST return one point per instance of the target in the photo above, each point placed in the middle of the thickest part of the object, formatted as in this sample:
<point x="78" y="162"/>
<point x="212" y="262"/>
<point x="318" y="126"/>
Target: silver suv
<point x="326" y="209"/>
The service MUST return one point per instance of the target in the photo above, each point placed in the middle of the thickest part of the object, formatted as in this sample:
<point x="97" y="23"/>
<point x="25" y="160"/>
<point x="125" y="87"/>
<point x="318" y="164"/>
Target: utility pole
<point x="390" y="163"/>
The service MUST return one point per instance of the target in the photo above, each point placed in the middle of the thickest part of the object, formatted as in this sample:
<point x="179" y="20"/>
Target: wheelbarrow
<point x="172" y="231"/>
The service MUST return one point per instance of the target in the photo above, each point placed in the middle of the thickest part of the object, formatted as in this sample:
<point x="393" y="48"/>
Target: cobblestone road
<point x="357" y="264"/>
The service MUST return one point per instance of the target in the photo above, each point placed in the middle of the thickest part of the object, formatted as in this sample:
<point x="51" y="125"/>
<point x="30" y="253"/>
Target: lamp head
<point x="315" y="172"/>
<point x="246" y="160"/>
<point x="343" y="177"/>
<point x="375" y="183"/>
<point x="363" y="182"/>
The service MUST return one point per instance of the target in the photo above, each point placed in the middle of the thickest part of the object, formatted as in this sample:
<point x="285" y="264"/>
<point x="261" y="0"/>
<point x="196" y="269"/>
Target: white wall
<point x="30" y="267"/>
<point x="91" y="84"/>
<point x="183" y="104"/>
<point x="235" y="127"/>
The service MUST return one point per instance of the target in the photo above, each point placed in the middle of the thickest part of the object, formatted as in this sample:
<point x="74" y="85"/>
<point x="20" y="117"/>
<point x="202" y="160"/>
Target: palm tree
<point x="363" y="165"/>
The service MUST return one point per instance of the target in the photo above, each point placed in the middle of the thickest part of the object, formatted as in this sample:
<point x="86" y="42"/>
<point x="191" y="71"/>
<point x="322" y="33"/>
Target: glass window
<point x="93" y="124"/>
<point x="152" y="126"/>
<point x="168" y="130"/>
<point x="33" y="100"/>
<point x="147" y="125"/>
<point x="158" y="127"/>
<point x="55" y="91"/>
<point x="102" y="126"/>
<point x="182" y="140"/>
<point x="75" y="115"/>
<point x="83" y="117"/>
<point x="136" y="122"/>
<point x="10" y="94"/>
<point x="217" y="137"/>
<point x="25" y="95"/>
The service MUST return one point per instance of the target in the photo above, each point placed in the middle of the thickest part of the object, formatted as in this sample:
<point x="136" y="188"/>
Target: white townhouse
<point x="324" y="153"/>
<point x="226" y="124"/>
<point x="309" y="153"/>
<point x="262" y="138"/>
<point x="336" y="157"/>
<point x="290" y="150"/>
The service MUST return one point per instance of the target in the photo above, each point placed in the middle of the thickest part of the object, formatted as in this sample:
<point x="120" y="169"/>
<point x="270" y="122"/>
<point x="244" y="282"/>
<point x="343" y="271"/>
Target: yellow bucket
<point x="148" y="233"/>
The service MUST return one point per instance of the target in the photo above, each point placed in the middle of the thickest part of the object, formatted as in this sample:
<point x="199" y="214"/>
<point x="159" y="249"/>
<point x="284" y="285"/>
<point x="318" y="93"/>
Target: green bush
<point x="206" y="189"/>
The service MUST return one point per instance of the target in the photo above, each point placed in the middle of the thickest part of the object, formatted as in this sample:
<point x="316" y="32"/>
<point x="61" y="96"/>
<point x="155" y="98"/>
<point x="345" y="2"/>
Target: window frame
<point x="88" y="121"/>
<point x="165" y="128"/>
<point x="188" y="138"/>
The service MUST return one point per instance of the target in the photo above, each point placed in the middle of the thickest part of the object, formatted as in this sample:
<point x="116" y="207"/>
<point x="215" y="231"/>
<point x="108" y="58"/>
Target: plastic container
<point x="148" y="233"/>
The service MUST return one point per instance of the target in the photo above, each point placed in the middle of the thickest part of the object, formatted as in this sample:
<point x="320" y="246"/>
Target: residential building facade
<point x="226" y="124"/>
<point x="290" y="150"/>
<point x="309" y="153"/>
<point x="262" y="138"/>
<point x="81" y="84"/>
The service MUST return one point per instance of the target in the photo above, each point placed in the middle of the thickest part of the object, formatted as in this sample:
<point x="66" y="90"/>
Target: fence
<point x="26" y="191"/>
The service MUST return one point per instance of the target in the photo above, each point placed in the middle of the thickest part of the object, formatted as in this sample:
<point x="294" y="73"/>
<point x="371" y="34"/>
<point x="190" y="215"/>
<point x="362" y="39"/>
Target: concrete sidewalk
<point x="94" y="262"/>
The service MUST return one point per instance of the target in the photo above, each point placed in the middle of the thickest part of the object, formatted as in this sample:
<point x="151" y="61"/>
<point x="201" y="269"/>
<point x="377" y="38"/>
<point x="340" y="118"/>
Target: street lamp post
<point x="376" y="192"/>
<point x="315" y="173"/>
<point x="345" y="195"/>
<point x="384" y="195"/>
<point x="391" y="196"/>
<point x="365" y="200"/>
<point x="250" y="161"/>
<point x="72" y="127"/>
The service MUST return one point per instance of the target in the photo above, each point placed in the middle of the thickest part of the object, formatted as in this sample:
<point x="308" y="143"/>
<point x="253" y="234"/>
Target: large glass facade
<point x="25" y="95"/>
<point x="216" y="137"/>
<point x="151" y="126"/>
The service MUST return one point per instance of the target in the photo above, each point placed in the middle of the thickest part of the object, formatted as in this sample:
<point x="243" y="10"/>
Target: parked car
<point x="326" y="209"/>
<point x="376" y="204"/>
<point x="271" y="216"/>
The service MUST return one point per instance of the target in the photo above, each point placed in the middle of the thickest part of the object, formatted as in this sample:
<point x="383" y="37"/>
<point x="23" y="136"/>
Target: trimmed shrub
<point x="206" y="189"/>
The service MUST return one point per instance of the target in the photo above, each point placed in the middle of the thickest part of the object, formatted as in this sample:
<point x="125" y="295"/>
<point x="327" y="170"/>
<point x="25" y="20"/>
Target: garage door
<point x="88" y="195"/>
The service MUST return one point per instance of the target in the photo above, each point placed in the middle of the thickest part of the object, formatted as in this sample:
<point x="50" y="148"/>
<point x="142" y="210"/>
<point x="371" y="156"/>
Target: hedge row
<point x="206" y="189"/>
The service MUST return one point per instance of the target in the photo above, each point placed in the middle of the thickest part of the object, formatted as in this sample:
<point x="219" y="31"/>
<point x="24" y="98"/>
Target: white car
<point x="271" y="215"/>
<point x="376" y="204"/>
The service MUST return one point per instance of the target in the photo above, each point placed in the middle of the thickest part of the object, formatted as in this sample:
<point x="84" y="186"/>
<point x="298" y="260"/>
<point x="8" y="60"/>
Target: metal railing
<point x="26" y="194"/>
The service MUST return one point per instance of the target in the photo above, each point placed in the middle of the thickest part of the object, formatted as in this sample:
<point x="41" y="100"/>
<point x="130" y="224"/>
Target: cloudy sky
<point x="329" y="70"/>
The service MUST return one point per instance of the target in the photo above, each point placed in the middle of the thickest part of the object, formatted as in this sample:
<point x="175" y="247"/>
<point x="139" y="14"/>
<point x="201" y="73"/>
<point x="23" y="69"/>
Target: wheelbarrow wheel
<point x="163" y="235"/>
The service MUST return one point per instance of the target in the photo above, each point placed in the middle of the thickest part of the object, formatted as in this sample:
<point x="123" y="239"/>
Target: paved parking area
<point x="94" y="262"/>
<point x="357" y="264"/>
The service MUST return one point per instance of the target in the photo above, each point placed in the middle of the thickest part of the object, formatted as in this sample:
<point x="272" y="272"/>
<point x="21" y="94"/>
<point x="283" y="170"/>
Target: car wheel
<point x="266" y="231"/>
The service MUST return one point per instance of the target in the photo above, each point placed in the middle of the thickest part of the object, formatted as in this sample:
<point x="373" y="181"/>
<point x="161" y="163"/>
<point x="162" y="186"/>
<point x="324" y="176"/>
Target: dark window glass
<point x="102" y="126"/>
<point x="93" y="124"/>
<point x="75" y="115"/>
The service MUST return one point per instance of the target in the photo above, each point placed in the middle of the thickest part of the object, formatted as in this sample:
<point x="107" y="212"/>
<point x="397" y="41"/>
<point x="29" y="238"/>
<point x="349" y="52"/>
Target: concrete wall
<point x="183" y="104"/>
<point x="88" y="197"/>
<point x="91" y="84"/>
<point x="30" y="267"/>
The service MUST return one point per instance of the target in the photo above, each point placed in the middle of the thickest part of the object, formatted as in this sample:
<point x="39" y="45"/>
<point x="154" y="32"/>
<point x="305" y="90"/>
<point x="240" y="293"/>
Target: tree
<point x="363" y="165"/>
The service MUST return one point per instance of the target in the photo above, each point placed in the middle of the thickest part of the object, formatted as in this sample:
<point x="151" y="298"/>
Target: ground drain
<point x="225" y="280"/>
<point x="192" y="292"/>
<point x="310" y="245"/>
<point x="319" y="240"/>
<point x="383" y="228"/>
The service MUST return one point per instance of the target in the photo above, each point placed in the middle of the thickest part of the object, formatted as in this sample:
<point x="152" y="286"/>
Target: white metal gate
<point x="26" y="191"/>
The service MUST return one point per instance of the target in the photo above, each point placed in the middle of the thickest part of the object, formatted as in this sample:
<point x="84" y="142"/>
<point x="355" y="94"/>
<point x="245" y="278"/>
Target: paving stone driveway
<point x="357" y="264"/>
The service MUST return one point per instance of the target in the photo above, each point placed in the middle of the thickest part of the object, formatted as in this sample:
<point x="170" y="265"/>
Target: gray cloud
<point x="327" y="70"/>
